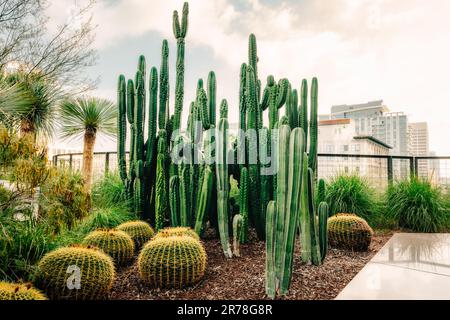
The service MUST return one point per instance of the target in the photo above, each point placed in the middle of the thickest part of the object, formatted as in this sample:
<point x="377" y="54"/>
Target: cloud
<point x="396" y="50"/>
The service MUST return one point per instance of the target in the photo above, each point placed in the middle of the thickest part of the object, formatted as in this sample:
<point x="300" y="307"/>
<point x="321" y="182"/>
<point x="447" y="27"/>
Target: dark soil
<point x="243" y="278"/>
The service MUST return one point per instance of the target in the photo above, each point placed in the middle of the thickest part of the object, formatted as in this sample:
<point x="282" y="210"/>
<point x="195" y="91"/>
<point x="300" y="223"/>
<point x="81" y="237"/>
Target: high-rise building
<point x="374" y="119"/>
<point x="418" y="139"/>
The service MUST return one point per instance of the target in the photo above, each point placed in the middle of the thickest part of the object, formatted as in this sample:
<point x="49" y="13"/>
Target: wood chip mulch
<point x="243" y="278"/>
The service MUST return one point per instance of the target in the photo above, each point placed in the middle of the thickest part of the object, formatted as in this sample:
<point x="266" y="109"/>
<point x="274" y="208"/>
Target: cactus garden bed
<point x="243" y="278"/>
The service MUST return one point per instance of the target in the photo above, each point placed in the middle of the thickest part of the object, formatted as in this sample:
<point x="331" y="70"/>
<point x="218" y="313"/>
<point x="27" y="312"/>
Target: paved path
<point x="410" y="266"/>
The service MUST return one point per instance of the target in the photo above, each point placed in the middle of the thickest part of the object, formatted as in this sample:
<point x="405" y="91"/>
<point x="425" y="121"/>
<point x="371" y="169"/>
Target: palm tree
<point x="37" y="101"/>
<point x="86" y="117"/>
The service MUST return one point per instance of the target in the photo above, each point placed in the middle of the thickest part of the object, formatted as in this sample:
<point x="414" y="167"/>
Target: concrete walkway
<point x="409" y="267"/>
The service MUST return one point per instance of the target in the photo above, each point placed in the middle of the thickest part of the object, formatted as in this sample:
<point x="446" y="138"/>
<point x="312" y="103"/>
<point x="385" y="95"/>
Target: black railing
<point x="380" y="170"/>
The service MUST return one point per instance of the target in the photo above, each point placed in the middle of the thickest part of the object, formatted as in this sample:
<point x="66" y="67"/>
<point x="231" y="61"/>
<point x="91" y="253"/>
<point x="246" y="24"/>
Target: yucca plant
<point x="417" y="205"/>
<point x="87" y="117"/>
<point x="349" y="193"/>
<point x="36" y="102"/>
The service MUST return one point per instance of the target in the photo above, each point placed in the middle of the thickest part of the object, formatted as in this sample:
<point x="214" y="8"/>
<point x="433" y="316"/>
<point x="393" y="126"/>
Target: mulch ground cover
<point x="243" y="278"/>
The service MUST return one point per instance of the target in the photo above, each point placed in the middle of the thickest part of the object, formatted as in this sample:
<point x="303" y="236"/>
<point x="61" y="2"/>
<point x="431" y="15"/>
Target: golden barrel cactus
<point x="115" y="243"/>
<point x="176" y="232"/>
<point x="172" y="262"/>
<point x="18" y="291"/>
<point x="139" y="231"/>
<point x="350" y="232"/>
<point x="75" y="273"/>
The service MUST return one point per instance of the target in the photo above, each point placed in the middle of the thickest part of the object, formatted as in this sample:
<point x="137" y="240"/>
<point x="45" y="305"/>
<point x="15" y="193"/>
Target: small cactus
<point x="177" y="232"/>
<point x="172" y="262"/>
<point x="18" y="291"/>
<point x="115" y="243"/>
<point x="350" y="232"/>
<point x="140" y="231"/>
<point x="57" y="269"/>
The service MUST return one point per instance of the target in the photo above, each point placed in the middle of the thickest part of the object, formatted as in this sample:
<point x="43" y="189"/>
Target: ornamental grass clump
<point x="417" y="205"/>
<point x="352" y="194"/>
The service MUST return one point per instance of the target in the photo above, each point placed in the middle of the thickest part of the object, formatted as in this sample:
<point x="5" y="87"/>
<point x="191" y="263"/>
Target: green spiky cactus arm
<point x="253" y="167"/>
<point x="161" y="182"/>
<point x="292" y="205"/>
<point x="152" y="115"/>
<point x="212" y="92"/>
<point x="323" y="230"/>
<point x="237" y="234"/>
<point x="243" y="203"/>
<point x="282" y="189"/>
<point x="202" y="107"/>
<point x="303" y="115"/>
<point x="131" y="96"/>
<point x="139" y="188"/>
<point x="142" y="68"/>
<point x="223" y="186"/>
<point x="321" y="191"/>
<point x="204" y="200"/>
<point x="180" y="31"/>
<point x="185" y="196"/>
<point x="174" y="201"/>
<point x="270" y="250"/>
<point x="164" y="86"/>
<point x="315" y="245"/>
<point x="224" y="109"/>
<point x="272" y="104"/>
<point x="139" y="117"/>
<point x="122" y="128"/>
<point x="312" y="162"/>
<point x="294" y="109"/>
<point x="305" y="225"/>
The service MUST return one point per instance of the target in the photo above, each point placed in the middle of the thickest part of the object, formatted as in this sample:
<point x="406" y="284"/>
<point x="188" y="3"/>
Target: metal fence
<point x="379" y="170"/>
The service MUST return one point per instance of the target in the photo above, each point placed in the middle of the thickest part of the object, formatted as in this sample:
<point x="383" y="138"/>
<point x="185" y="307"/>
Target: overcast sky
<point x="360" y="50"/>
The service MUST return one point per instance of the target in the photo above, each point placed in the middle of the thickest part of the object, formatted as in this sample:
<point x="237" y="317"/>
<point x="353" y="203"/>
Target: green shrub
<point x="63" y="200"/>
<point x="22" y="245"/>
<point x="417" y="205"/>
<point x="351" y="194"/>
<point x="109" y="192"/>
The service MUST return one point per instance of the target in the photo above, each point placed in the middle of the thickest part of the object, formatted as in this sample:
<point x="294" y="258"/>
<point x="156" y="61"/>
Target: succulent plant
<point x="19" y="291"/>
<point x="172" y="262"/>
<point x="176" y="232"/>
<point x="139" y="231"/>
<point x="77" y="272"/>
<point x="117" y="244"/>
<point x="349" y="232"/>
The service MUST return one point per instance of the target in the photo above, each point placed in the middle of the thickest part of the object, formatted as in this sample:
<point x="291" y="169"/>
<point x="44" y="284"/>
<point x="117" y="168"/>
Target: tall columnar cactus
<point x="282" y="215"/>
<point x="312" y="162"/>
<point x="321" y="191"/>
<point x="174" y="201"/>
<point x="180" y="31"/>
<point x="161" y="182"/>
<point x="303" y="114"/>
<point x="243" y="203"/>
<point x="122" y="128"/>
<point x="185" y="197"/>
<point x="223" y="187"/>
<point x="204" y="200"/>
<point x="237" y="234"/>
<point x="253" y="146"/>
<point x="164" y="87"/>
